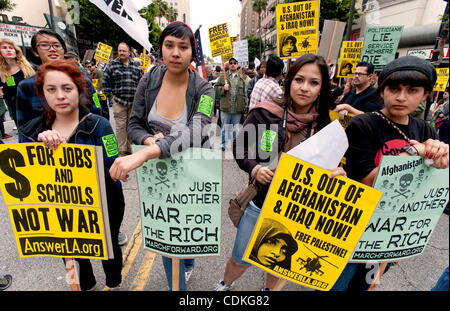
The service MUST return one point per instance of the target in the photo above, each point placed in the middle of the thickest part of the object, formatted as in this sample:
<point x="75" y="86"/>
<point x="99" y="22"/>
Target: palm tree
<point x="259" y="6"/>
<point x="171" y="14"/>
<point x="6" y="5"/>
<point x="162" y="8"/>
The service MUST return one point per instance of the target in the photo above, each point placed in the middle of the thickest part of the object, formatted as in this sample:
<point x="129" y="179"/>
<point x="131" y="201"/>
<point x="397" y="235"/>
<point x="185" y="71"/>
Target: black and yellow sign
<point x="297" y="28"/>
<point x="55" y="200"/>
<point x="219" y="39"/>
<point x="309" y="224"/>
<point x="350" y="54"/>
<point x="442" y="79"/>
<point x="103" y="52"/>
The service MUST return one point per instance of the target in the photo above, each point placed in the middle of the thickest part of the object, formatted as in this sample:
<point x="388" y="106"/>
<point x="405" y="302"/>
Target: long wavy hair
<point x="323" y="102"/>
<point x="21" y="61"/>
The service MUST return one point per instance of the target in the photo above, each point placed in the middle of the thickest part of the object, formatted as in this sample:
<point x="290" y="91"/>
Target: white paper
<point x="324" y="149"/>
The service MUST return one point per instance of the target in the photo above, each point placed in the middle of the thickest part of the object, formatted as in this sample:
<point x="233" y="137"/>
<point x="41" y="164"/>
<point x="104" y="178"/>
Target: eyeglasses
<point x="233" y="63"/>
<point x="46" y="46"/>
<point x="360" y="74"/>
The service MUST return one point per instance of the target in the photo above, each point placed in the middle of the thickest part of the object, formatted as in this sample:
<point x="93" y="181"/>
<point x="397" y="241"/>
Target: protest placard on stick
<point x="414" y="197"/>
<point x="297" y="28"/>
<point x="219" y="40"/>
<point x="310" y="222"/>
<point x="56" y="200"/>
<point x="103" y="52"/>
<point x="349" y="58"/>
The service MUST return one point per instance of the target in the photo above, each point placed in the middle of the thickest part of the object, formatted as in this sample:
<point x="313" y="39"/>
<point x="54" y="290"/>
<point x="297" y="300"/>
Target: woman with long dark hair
<point x="278" y="127"/>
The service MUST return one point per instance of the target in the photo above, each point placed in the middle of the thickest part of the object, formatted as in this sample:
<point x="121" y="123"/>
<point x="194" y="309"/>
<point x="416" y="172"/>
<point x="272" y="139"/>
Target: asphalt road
<point x="143" y="270"/>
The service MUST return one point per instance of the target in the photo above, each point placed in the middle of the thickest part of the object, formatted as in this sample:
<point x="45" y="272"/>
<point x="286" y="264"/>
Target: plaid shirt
<point x="266" y="88"/>
<point x="30" y="105"/>
<point x="120" y="81"/>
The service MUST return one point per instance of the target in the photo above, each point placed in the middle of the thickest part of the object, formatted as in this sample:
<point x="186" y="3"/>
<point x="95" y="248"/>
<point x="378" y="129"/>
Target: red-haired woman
<point x="67" y="120"/>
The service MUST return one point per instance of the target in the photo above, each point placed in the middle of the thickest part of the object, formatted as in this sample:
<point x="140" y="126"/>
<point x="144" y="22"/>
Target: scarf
<point x="296" y="122"/>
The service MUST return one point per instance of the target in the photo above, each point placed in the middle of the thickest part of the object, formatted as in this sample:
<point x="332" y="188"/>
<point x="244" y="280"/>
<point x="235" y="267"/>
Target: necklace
<point x="382" y="116"/>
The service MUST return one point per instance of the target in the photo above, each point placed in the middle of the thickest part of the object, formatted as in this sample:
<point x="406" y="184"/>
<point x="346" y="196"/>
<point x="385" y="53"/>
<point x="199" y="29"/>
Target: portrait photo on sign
<point x="288" y="46"/>
<point x="274" y="245"/>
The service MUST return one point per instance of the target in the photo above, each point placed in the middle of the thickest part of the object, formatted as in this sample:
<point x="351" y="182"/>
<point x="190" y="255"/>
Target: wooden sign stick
<point x="279" y="285"/>
<point x="175" y="274"/>
<point x="378" y="275"/>
<point x="72" y="274"/>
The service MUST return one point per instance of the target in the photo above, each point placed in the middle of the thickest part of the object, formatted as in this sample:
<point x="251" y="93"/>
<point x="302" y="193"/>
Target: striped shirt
<point x="120" y="81"/>
<point x="266" y="88"/>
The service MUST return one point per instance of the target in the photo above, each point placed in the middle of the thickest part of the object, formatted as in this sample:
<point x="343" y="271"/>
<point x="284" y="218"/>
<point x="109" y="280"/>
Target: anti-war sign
<point x="180" y="201"/>
<point x="349" y="58"/>
<point x="309" y="224"/>
<point x="55" y="200"/>
<point x="380" y="45"/>
<point x="297" y="28"/>
<point x="414" y="198"/>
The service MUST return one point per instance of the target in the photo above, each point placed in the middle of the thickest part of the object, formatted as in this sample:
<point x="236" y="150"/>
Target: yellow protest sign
<point x="334" y="115"/>
<point x="56" y="200"/>
<point x="442" y="79"/>
<point x="350" y="54"/>
<point x="227" y="57"/>
<point x="309" y="224"/>
<point x="219" y="40"/>
<point x="297" y="28"/>
<point x="103" y="52"/>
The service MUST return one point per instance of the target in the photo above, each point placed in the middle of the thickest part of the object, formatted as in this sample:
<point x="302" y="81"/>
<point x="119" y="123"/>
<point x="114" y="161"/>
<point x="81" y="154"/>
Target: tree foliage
<point x="6" y="5"/>
<point x="253" y="47"/>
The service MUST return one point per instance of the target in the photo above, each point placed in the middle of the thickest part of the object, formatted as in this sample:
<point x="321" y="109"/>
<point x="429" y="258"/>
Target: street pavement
<point x="143" y="270"/>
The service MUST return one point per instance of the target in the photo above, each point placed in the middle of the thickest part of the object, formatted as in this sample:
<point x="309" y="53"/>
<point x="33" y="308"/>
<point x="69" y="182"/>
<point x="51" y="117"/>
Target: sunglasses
<point x="233" y="63"/>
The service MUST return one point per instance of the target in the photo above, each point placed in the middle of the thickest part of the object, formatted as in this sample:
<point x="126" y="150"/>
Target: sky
<point x="209" y="13"/>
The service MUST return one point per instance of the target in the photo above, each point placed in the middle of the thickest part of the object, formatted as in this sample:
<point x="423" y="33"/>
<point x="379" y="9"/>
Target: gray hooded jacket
<point x="199" y="100"/>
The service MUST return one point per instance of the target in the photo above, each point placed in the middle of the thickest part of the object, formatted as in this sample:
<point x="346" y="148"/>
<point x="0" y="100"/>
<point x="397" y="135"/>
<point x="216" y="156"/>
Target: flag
<point x="200" y="61"/>
<point x="126" y="15"/>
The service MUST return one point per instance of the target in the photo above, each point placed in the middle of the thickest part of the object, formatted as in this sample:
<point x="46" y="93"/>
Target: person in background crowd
<point x="120" y="81"/>
<point x="251" y="70"/>
<point x="67" y="120"/>
<point x="304" y="112"/>
<point x="361" y="99"/>
<point x="14" y="67"/>
<point x="95" y="74"/>
<point x="403" y="84"/>
<point x="267" y="87"/>
<point x="261" y="71"/>
<point x="76" y="60"/>
<point x="336" y="91"/>
<point x="47" y="45"/>
<point x="233" y="100"/>
<point x="166" y="114"/>
<point x="2" y="119"/>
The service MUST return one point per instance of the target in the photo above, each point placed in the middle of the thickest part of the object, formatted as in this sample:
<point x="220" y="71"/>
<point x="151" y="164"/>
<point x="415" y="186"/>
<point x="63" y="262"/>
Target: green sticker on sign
<point x="109" y="141"/>
<point x="205" y="105"/>
<point x="267" y="140"/>
<point x="10" y="81"/>
<point x="96" y="100"/>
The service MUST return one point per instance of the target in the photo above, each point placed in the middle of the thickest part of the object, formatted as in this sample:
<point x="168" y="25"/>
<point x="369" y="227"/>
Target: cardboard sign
<point x="350" y="54"/>
<point x="240" y="52"/>
<point x="180" y="201"/>
<point x="297" y="28"/>
<point x="219" y="39"/>
<point x="414" y="197"/>
<point x="309" y="224"/>
<point x="103" y="52"/>
<point x="442" y="79"/>
<point x="380" y="45"/>
<point x="56" y="200"/>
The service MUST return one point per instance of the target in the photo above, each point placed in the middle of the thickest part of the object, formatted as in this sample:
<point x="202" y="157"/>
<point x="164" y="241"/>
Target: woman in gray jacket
<point x="171" y="107"/>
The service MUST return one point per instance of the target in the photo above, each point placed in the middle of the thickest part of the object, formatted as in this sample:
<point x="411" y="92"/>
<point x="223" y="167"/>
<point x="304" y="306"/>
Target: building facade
<point x="183" y="9"/>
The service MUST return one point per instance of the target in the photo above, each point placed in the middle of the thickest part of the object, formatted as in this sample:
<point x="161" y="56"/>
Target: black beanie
<point x="413" y="63"/>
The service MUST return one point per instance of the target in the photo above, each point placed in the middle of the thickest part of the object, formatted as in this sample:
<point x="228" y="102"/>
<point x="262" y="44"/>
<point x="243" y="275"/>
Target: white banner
<point x="125" y="14"/>
<point x="240" y="49"/>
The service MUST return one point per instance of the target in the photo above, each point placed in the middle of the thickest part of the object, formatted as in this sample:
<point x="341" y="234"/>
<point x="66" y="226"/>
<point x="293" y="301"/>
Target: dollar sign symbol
<point x="9" y="160"/>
